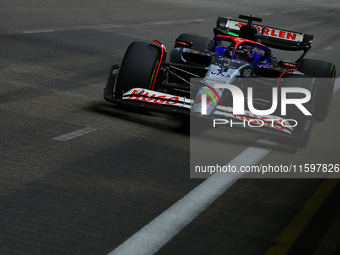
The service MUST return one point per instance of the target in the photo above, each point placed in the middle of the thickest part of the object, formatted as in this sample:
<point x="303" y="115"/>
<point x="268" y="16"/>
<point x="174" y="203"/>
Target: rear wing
<point x="269" y="36"/>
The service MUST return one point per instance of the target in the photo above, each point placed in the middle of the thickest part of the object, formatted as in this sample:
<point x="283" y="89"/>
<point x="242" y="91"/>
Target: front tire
<point x="138" y="68"/>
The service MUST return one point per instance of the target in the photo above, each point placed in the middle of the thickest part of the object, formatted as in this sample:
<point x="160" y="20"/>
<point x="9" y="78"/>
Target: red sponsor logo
<point x="154" y="98"/>
<point x="289" y="65"/>
<point x="280" y="34"/>
<point x="239" y="25"/>
<point x="272" y="32"/>
<point x="181" y="43"/>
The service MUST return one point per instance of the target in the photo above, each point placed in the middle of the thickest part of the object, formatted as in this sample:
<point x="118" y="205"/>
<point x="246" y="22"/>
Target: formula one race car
<point x="207" y="79"/>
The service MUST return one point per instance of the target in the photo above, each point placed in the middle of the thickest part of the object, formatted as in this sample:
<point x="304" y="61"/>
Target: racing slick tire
<point x="138" y="68"/>
<point x="324" y="72"/>
<point x="304" y="128"/>
<point x="198" y="42"/>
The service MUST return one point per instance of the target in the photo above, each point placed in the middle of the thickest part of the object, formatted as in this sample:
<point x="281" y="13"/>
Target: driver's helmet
<point x="243" y="52"/>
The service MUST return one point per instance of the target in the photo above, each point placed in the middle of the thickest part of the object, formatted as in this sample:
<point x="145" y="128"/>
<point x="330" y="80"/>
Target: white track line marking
<point x="197" y="20"/>
<point x="38" y="31"/>
<point x="159" y="231"/>
<point x="163" y="23"/>
<point x="111" y="26"/>
<point x="328" y="48"/>
<point x="336" y="85"/>
<point x="74" y="134"/>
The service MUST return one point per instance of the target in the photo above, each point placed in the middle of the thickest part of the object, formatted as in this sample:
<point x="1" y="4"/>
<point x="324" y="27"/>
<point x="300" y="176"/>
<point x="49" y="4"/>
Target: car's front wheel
<point x="138" y="68"/>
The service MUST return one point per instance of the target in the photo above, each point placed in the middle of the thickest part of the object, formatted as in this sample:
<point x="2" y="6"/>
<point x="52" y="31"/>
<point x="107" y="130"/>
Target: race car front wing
<point x="268" y="125"/>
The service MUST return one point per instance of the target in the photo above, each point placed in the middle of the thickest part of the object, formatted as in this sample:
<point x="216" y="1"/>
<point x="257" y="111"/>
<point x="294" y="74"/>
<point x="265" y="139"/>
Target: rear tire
<point x="324" y="72"/>
<point x="198" y="42"/>
<point x="138" y="68"/>
<point x="303" y="130"/>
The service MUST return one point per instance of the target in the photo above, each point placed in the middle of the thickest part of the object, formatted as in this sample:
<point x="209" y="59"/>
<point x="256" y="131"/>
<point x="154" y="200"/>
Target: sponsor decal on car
<point x="236" y="25"/>
<point x="156" y="97"/>
<point x="268" y="31"/>
<point x="282" y="34"/>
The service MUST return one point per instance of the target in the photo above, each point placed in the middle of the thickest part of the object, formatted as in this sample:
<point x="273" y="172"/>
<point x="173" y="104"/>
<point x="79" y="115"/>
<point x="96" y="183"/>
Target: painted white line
<point x="38" y="31"/>
<point x="108" y="26"/>
<point x="177" y="21"/>
<point x="159" y="231"/>
<point x="163" y="23"/>
<point x="112" y="26"/>
<point x="336" y="85"/>
<point x="328" y="48"/>
<point x="74" y="134"/>
<point x="197" y="20"/>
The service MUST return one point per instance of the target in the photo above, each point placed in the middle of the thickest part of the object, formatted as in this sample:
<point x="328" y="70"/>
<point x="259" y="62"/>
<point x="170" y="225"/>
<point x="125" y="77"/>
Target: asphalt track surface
<point x="80" y="176"/>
